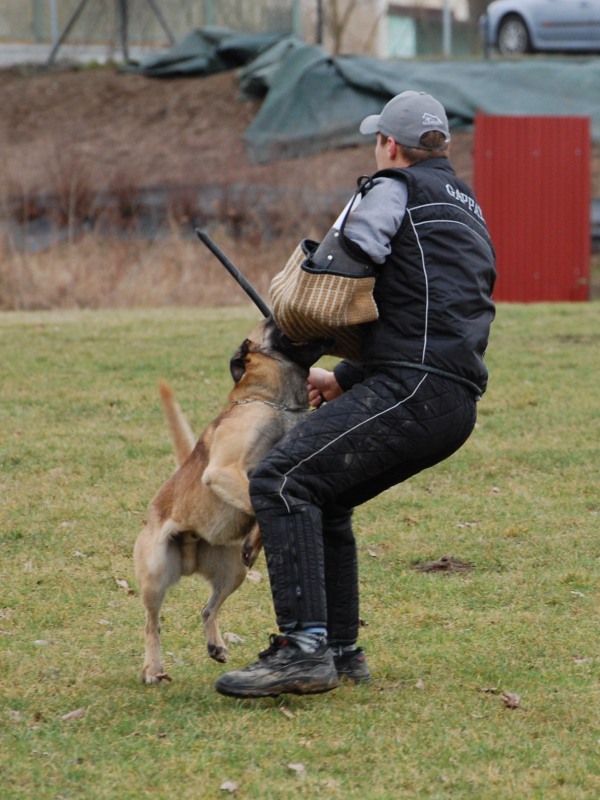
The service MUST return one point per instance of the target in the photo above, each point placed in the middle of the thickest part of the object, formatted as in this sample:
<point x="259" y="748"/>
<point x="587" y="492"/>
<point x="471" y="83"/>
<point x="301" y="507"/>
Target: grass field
<point x="83" y="448"/>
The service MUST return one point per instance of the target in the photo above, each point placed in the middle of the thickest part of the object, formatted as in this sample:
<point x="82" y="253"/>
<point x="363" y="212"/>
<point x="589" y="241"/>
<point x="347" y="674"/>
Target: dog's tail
<point x="181" y="433"/>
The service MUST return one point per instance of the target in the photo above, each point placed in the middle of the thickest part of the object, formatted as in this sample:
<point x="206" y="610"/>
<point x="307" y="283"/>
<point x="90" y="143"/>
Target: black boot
<point x="352" y="665"/>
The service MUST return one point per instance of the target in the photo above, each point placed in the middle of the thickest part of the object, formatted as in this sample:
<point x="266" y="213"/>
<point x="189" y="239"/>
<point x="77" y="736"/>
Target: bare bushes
<point x="126" y="245"/>
<point x="101" y="272"/>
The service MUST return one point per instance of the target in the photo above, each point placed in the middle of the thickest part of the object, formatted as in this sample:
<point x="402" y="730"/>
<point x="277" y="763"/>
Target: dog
<point x="201" y="520"/>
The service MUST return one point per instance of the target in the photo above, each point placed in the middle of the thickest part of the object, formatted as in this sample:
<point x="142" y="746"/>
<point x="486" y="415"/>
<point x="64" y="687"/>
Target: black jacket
<point x="434" y="290"/>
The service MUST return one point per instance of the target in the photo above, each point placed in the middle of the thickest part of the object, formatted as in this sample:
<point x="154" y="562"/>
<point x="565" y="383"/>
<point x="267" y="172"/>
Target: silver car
<point x="528" y="26"/>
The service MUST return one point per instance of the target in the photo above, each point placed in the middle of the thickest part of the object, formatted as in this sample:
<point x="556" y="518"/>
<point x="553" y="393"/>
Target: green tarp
<point x="204" y="52"/>
<point x="313" y="102"/>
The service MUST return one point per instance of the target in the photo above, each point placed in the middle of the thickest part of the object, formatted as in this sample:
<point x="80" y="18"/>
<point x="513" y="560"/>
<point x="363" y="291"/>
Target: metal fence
<point x="102" y="20"/>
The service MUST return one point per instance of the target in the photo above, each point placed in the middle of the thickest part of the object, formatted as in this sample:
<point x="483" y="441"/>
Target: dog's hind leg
<point x="158" y="566"/>
<point x="223" y="568"/>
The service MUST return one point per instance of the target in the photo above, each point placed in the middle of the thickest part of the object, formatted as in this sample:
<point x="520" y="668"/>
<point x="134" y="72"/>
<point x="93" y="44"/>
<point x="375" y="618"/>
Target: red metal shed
<point x="532" y="180"/>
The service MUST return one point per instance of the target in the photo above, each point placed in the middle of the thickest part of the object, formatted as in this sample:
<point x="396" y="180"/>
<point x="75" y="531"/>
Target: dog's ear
<point x="237" y="365"/>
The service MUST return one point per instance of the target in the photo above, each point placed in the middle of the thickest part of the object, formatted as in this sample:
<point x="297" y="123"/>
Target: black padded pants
<point x="376" y="435"/>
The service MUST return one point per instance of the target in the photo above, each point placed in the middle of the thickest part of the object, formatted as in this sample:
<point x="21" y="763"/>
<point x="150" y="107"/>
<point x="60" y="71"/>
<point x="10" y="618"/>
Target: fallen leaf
<point x="233" y="638"/>
<point x="15" y="716"/>
<point x="79" y="713"/>
<point x="41" y="643"/>
<point x="164" y="676"/>
<point x="229" y="786"/>
<point x="372" y="553"/>
<point x="122" y="584"/>
<point x="254" y="576"/>
<point x="420" y="684"/>
<point x="287" y="713"/>
<point x="79" y="554"/>
<point x="298" y="768"/>
<point x="511" y="700"/>
<point x="490" y="690"/>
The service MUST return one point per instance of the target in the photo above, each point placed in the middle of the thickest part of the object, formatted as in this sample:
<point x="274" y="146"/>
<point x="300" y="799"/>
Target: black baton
<point x="235" y="273"/>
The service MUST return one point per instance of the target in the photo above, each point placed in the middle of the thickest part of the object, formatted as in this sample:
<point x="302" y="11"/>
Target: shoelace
<point x="276" y="642"/>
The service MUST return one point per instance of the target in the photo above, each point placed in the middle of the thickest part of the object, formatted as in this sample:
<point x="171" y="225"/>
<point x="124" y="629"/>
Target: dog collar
<point x="267" y="403"/>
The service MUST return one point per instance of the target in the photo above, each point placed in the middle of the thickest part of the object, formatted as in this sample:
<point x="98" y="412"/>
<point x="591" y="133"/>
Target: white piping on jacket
<point x="341" y="435"/>
<point x="426" y="279"/>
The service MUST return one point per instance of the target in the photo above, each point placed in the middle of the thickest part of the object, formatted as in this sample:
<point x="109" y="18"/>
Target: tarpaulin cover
<point x="203" y="52"/>
<point x="313" y="101"/>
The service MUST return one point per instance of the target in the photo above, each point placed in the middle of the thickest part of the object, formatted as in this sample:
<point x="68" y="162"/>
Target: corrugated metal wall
<point x="532" y="179"/>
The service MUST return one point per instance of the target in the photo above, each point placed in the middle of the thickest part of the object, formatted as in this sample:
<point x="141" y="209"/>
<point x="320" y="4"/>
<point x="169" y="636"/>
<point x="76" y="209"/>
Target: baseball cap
<point x="407" y="117"/>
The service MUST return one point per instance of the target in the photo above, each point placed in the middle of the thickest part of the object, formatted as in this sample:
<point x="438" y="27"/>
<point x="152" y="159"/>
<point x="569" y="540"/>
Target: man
<point x="409" y="404"/>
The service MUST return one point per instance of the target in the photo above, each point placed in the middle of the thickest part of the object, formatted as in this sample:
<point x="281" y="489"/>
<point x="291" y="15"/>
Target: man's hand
<point x="322" y="386"/>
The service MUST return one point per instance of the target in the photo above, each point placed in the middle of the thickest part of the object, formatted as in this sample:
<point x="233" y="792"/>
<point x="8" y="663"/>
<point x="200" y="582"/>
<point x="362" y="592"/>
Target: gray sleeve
<point x="374" y="222"/>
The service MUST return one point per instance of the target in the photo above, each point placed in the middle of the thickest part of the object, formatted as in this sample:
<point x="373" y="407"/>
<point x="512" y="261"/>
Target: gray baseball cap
<point x="407" y="117"/>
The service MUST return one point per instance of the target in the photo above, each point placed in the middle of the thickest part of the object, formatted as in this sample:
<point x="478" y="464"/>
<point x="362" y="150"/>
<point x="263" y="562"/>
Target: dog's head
<point x="268" y="339"/>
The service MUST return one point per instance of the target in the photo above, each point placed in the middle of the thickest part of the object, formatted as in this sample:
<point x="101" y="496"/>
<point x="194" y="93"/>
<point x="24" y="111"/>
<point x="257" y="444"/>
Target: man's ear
<point x="392" y="148"/>
<point x="237" y="365"/>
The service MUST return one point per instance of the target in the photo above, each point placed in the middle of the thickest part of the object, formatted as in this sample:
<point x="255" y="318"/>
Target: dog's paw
<point x="155" y="678"/>
<point x="251" y="548"/>
<point x="217" y="652"/>
<point x="249" y="556"/>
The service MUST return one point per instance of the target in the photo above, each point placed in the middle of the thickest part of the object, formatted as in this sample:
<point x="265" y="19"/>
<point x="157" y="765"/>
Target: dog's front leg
<point x="230" y="484"/>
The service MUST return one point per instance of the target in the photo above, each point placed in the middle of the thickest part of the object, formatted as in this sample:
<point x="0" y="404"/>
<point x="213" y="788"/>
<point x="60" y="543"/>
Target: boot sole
<point x="275" y="691"/>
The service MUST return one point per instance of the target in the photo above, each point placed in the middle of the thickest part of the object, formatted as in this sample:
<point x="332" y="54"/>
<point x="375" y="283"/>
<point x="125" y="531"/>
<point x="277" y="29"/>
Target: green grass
<point x="83" y="448"/>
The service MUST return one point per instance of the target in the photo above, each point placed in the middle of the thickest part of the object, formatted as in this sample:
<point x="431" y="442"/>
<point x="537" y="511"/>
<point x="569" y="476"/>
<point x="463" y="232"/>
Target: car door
<point x="568" y="24"/>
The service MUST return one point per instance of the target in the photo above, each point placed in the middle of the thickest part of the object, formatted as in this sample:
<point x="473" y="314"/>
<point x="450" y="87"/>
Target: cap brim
<point x="370" y="124"/>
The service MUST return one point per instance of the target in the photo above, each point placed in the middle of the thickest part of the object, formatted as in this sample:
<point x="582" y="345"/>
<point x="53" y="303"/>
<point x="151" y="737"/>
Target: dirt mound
<point x="152" y="132"/>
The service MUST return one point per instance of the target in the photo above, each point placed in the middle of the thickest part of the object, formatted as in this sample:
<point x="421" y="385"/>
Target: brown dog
<point x="201" y="520"/>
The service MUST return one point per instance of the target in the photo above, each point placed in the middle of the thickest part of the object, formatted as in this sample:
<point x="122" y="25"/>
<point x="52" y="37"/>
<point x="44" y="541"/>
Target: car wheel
<point x="513" y="36"/>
